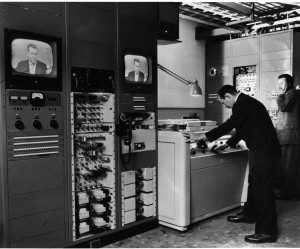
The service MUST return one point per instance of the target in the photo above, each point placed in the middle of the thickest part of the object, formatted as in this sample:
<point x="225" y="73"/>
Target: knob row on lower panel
<point x="36" y="124"/>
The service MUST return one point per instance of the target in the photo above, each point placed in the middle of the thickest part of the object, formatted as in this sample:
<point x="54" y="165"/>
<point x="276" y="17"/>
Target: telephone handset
<point x="124" y="131"/>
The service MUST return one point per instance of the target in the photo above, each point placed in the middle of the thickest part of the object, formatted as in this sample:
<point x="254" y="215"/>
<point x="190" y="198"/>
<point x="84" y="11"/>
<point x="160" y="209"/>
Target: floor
<point x="217" y="232"/>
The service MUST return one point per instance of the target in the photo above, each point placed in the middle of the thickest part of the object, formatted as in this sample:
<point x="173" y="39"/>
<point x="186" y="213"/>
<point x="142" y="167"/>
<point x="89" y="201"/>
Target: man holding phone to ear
<point x="288" y="132"/>
<point x="252" y="123"/>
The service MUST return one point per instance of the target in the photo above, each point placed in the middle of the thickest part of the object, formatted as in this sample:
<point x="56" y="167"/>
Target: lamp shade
<point x="196" y="90"/>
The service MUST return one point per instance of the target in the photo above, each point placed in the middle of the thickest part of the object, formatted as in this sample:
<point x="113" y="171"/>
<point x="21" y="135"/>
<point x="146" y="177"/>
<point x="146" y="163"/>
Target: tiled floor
<point x="217" y="232"/>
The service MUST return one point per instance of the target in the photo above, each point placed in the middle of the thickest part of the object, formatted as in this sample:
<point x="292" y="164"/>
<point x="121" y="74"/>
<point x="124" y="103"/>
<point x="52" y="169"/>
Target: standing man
<point x="32" y="65"/>
<point x="136" y="75"/>
<point x="253" y="124"/>
<point x="288" y="131"/>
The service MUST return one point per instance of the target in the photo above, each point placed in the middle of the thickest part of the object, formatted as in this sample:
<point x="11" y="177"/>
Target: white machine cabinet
<point x="193" y="183"/>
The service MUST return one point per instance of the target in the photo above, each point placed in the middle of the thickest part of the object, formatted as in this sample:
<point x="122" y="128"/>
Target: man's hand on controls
<point x="220" y="147"/>
<point x="192" y="137"/>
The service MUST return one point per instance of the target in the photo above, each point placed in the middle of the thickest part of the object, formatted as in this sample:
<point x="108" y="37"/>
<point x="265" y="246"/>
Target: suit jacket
<point x="23" y="67"/>
<point x="253" y="124"/>
<point x="288" y="123"/>
<point x="131" y="76"/>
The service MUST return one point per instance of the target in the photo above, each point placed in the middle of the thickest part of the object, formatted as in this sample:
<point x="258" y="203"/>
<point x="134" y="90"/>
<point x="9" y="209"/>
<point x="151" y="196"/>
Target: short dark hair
<point x="227" y="89"/>
<point x="31" y="45"/>
<point x="288" y="78"/>
<point x="136" y="60"/>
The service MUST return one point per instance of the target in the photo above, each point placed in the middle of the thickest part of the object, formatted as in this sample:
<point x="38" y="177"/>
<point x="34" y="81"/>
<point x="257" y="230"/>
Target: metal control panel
<point x="137" y="137"/>
<point x="35" y="165"/>
<point x="245" y="80"/>
<point x="138" y="195"/>
<point x="93" y="163"/>
<point x="269" y="100"/>
<point x="34" y="124"/>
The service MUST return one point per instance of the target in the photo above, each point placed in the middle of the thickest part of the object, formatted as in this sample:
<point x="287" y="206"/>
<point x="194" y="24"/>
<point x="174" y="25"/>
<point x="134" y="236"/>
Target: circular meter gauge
<point x="37" y="95"/>
<point x="213" y="71"/>
<point x="37" y="99"/>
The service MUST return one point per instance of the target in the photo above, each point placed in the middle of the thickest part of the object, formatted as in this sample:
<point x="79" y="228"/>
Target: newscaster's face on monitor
<point x="32" y="54"/>
<point x="137" y="66"/>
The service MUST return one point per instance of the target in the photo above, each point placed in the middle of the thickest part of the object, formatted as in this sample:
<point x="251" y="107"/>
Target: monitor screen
<point x="137" y="69"/>
<point x="32" y="61"/>
<point x="33" y="57"/>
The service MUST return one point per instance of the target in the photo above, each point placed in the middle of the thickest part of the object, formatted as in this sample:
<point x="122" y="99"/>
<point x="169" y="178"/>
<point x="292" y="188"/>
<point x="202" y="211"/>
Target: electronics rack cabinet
<point x="137" y="117"/>
<point x="65" y="143"/>
<point x="93" y="155"/>
<point x="33" y="164"/>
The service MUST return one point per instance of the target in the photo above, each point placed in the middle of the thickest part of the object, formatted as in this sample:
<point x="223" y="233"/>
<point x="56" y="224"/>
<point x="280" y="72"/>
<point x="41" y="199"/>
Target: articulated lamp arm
<point x="196" y="88"/>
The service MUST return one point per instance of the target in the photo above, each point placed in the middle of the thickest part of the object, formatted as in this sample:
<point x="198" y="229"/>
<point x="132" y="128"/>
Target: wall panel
<point x="276" y="55"/>
<point x="186" y="59"/>
<point x="37" y="202"/>
<point x="50" y="7"/>
<point x="86" y="54"/>
<point x="32" y="21"/>
<point x="276" y="65"/>
<point x="218" y="50"/>
<point x="39" y="224"/>
<point x="246" y="46"/>
<point x="52" y="239"/>
<point x="141" y="10"/>
<point x="276" y="42"/>
<point x="245" y="60"/>
<point x="91" y="24"/>
<point x="34" y="175"/>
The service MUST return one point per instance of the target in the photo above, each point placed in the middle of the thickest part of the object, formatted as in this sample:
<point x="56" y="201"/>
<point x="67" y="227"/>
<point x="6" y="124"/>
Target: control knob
<point x="37" y="124"/>
<point x="54" y="124"/>
<point x="19" y="125"/>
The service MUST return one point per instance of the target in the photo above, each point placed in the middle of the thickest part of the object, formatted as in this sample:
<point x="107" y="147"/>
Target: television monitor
<point x="136" y="69"/>
<point x="32" y="61"/>
<point x="138" y="72"/>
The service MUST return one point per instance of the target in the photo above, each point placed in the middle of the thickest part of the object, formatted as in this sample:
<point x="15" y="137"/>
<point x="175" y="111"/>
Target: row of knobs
<point x="36" y="124"/>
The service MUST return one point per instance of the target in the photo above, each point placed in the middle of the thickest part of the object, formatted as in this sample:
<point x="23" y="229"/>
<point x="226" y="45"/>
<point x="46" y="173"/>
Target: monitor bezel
<point x="28" y="81"/>
<point x="139" y="87"/>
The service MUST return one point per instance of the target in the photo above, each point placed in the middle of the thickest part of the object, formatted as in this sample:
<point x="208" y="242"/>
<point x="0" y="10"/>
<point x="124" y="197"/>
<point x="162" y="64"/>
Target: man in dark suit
<point x="252" y="123"/>
<point x="136" y="75"/>
<point x="32" y="65"/>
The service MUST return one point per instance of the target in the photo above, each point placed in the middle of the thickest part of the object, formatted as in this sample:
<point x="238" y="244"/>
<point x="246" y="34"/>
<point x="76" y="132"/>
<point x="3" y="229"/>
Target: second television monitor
<point x="137" y="69"/>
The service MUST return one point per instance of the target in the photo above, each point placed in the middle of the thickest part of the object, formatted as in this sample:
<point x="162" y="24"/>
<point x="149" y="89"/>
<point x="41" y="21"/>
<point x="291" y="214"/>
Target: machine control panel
<point x="93" y="163"/>
<point x="34" y="124"/>
<point x="245" y="80"/>
<point x="92" y="80"/>
<point x="138" y="195"/>
<point x="34" y="111"/>
<point x="193" y="128"/>
<point x="199" y="149"/>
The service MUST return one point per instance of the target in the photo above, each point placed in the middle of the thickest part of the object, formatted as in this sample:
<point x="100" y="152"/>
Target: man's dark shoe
<point x="260" y="238"/>
<point x="240" y="217"/>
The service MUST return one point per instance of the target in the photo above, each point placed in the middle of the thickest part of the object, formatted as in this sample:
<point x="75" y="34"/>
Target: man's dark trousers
<point x="261" y="191"/>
